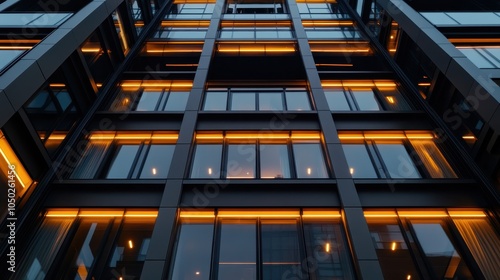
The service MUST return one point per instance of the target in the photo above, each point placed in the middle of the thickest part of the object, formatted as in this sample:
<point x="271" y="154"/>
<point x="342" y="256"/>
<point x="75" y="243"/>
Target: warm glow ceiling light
<point x="90" y="50"/>
<point x="360" y="83"/>
<point x="231" y="135"/>
<point x="469" y="137"/>
<point x="100" y="213"/>
<point x="15" y="48"/>
<point x="141" y="214"/>
<point x="258" y="213"/>
<point x="379" y="214"/>
<point x="10" y="158"/>
<point x="318" y="214"/>
<point x="466" y="213"/>
<point x="422" y="213"/>
<point x="209" y="136"/>
<point x="57" y="85"/>
<point x="197" y="214"/>
<point x="63" y="213"/>
<point x="133" y="136"/>
<point x="185" y="23"/>
<point x="156" y="84"/>
<point x="424" y="84"/>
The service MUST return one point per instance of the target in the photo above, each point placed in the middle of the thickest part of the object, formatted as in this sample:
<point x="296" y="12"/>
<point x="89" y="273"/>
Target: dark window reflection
<point x="129" y="253"/>
<point x="280" y="248"/>
<point x="194" y="251"/>
<point x="207" y="161"/>
<point x="237" y="257"/>
<point x="326" y="245"/>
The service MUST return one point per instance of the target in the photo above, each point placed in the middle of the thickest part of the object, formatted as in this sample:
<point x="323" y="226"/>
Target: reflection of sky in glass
<point x="433" y="240"/>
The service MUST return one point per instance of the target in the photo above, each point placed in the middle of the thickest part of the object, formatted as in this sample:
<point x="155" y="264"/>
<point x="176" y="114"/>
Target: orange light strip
<point x="90" y="50"/>
<point x="388" y="135"/>
<point x="57" y="85"/>
<point x="162" y="84"/>
<point x="21" y="48"/>
<point x="258" y="213"/>
<point x="469" y="137"/>
<point x="424" y="84"/>
<point x="101" y="135"/>
<point x="334" y="64"/>
<point x="422" y="213"/>
<point x="320" y="214"/>
<point x="379" y="214"/>
<point x="209" y="136"/>
<point x="99" y="213"/>
<point x="474" y="40"/>
<point x="359" y="83"/>
<point x="197" y="214"/>
<point x="235" y="135"/>
<point x="312" y="23"/>
<point x="466" y="213"/>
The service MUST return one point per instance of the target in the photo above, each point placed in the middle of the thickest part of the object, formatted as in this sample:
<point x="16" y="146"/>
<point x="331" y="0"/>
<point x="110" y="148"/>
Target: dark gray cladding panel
<point x="6" y="110"/>
<point x="217" y="195"/>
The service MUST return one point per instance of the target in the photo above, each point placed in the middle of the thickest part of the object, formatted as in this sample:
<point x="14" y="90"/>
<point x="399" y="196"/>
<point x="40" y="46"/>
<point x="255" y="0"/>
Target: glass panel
<point x="85" y="247"/>
<point x="476" y="18"/>
<point x="336" y="100"/>
<point x="241" y="161"/>
<point x="176" y="101"/>
<point x="157" y="162"/>
<point x="325" y="244"/>
<point x="130" y="249"/>
<point x="123" y="161"/>
<point x="365" y="100"/>
<point x="441" y="254"/>
<point x="7" y="56"/>
<point x="238" y="248"/>
<point x="194" y="251"/>
<point x="392" y="250"/>
<point x="270" y="101"/>
<point x="215" y="101"/>
<point x="48" y="239"/>
<point x="433" y="159"/>
<point x="91" y="160"/>
<point x="274" y="162"/>
<point x="297" y="101"/>
<point x="280" y="248"/>
<point x="439" y="18"/>
<point x="309" y="161"/>
<point x="359" y="161"/>
<point x="476" y="58"/>
<point x="207" y="161"/>
<point x="148" y="101"/>
<point x="243" y="101"/>
<point x="394" y="99"/>
<point x="124" y="101"/>
<point x="483" y="243"/>
<point x="397" y="161"/>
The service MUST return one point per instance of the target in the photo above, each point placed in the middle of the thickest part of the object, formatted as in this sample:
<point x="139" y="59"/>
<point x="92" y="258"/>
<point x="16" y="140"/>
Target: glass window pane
<point x="394" y="99"/>
<point x="207" y="161"/>
<point x="176" y="101"/>
<point x="336" y="100"/>
<point x="37" y="261"/>
<point x="274" y="162"/>
<point x="433" y="159"/>
<point x="270" y="101"/>
<point x="90" y="160"/>
<point x="194" y="251"/>
<point x="237" y="257"/>
<point x="309" y="161"/>
<point x="297" y="101"/>
<point x="476" y="58"/>
<point x="365" y="100"/>
<point x="64" y="99"/>
<point x="6" y="56"/>
<point x="392" y="250"/>
<point x="129" y="252"/>
<point x="215" y="101"/>
<point x="325" y="244"/>
<point x="441" y="254"/>
<point x="85" y="247"/>
<point x="148" y="101"/>
<point x="360" y="164"/>
<point x="397" y="161"/>
<point x="241" y="161"/>
<point x="280" y="248"/>
<point x="483" y="243"/>
<point x="157" y="161"/>
<point x="123" y="161"/>
<point x="243" y="101"/>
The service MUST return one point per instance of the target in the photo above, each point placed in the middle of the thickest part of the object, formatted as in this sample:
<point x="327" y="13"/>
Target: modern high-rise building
<point x="250" y="139"/>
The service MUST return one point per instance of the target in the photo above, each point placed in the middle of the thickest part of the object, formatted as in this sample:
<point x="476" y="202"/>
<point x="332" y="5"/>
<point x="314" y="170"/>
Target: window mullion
<point x="258" y="263"/>
<point x="138" y="161"/>
<point x="377" y="159"/>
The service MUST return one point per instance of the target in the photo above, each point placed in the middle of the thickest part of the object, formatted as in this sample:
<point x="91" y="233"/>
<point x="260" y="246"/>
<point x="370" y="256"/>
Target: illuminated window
<point x="394" y="155"/>
<point x="247" y="241"/>
<point x="14" y="179"/>
<point x="126" y="156"/>
<point x="427" y="236"/>
<point x="353" y="96"/>
<point x="326" y="9"/>
<point x="255" y="7"/>
<point x="167" y="96"/>
<point x="249" y="156"/>
<point x="185" y="10"/>
<point x="257" y="100"/>
<point x="83" y="250"/>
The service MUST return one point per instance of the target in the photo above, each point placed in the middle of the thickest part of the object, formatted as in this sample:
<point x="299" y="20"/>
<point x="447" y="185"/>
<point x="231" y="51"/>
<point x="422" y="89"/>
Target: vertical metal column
<point x="158" y="259"/>
<point x="365" y="256"/>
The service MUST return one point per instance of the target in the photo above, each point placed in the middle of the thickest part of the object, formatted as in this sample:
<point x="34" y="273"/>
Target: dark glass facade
<point x="249" y="139"/>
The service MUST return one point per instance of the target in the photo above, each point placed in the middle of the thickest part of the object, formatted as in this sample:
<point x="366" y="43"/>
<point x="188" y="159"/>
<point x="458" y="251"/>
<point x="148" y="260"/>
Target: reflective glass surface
<point x="215" y="101"/>
<point x="122" y="162"/>
<point x="365" y="100"/>
<point x="176" y="101"/>
<point x="243" y="101"/>
<point x="297" y="101"/>
<point x="194" y="251"/>
<point x="241" y="161"/>
<point x="7" y="56"/>
<point x="157" y="161"/>
<point x="274" y="161"/>
<point x="207" y="161"/>
<point x="149" y="101"/>
<point x="270" y="101"/>
<point x="336" y="100"/>
<point x="238" y="250"/>
<point x="360" y="163"/>
<point x="397" y="161"/>
<point x="309" y="161"/>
